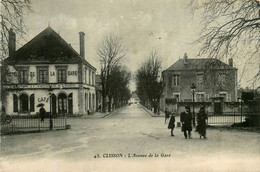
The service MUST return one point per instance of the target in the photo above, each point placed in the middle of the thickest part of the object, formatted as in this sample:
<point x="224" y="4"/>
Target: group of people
<point x="186" y="121"/>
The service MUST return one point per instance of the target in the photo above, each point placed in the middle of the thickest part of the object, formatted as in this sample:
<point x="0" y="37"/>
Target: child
<point x="172" y="123"/>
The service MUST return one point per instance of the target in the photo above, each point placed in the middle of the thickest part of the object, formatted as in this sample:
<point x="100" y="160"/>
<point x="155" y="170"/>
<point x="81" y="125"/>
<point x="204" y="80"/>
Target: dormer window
<point x="23" y="75"/>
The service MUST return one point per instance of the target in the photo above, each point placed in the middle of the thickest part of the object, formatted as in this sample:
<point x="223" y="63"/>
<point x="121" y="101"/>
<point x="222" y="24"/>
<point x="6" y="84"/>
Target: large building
<point x="48" y="70"/>
<point x="202" y="80"/>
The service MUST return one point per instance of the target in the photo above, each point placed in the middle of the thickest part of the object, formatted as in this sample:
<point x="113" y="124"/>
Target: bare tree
<point x="227" y="26"/>
<point x="12" y="16"/>
<point x="149" y="85"/>
<point x="111" y="51"/>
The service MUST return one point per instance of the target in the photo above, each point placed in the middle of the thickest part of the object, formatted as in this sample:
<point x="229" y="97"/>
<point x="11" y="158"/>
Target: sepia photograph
<point x="130" y="85"/>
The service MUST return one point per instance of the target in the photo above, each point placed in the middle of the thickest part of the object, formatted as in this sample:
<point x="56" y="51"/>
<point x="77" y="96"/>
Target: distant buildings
<point x="134" y="98"/>
<point x="48" y="70"/>
<point x="215" y="84"/>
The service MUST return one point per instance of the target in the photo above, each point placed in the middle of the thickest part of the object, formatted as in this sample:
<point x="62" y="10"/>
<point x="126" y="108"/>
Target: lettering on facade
<point x="43" y="99"/>
<point x="75" y="73"/>
<point x="41" y="86"/>
<point x="52" y="73"/>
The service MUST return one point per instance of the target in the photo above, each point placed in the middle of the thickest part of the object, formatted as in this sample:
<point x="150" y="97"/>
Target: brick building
<point x="215" y="84"/>
<point x="48" y="70"/>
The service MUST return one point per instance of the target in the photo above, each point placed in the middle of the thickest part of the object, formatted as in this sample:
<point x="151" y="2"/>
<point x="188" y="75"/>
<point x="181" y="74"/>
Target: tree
<point x="12" y="16"/>
<point x="228" y="25"/>
<point x="119" y="83"/>
<point x="111" y="51"/>
<point x="149" y="86"/>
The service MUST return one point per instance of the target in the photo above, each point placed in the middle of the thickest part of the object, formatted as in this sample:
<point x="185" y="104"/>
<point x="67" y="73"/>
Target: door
<point x="62" y="103"/>
<point x="53" y="104"/>
<point x="217" y="108"/>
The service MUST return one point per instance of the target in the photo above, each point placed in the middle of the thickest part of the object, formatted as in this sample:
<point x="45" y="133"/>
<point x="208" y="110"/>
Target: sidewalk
<point x="96" y="115"/>
<point x="162" y="114"/>
<point x="101" y="114"/>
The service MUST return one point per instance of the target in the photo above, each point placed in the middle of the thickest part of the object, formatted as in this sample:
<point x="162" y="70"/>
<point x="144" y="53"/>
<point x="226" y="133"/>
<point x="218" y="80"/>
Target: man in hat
<point x="42" y="113"/>
<point x="186" y="119"/>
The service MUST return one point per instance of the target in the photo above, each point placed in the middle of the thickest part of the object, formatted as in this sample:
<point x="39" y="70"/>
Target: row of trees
<point x="148" y="82"/>
<point x="115" y="77"/>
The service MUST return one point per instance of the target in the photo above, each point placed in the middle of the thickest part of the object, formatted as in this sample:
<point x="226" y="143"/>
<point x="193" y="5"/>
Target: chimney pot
<point x="11" y="42"/>
<point x="230" y="62"/>
<point x="185" y="58"/>
<point x="82" y="44"/>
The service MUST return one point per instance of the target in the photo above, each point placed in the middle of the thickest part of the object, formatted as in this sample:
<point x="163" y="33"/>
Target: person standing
<point x="42" y="113"/>
<point x="201" y="119"/>
<point x="166" y="115"/>
<point x="171" y="124"/>
<point x="186" y="119"/>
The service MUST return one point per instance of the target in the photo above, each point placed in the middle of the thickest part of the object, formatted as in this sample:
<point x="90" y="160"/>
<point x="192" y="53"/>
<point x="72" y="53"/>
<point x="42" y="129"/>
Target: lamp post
<point x="51" y="122"/>
<point x="193" y="89"/>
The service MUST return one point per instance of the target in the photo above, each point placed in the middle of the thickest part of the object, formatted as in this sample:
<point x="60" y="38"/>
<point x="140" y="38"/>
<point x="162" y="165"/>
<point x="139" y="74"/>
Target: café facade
<point x="48" y="72"/>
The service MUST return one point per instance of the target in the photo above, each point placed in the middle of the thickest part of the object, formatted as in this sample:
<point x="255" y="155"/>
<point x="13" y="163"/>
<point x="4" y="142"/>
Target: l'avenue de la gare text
<point x="131" y="155"/>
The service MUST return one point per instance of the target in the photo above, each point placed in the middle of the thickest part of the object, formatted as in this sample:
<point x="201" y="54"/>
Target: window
<point x="86" y="75"/>
<point x="61" y="75"/>
<point x="200" y="97"/>
<point x="23" y="76"/>
<point x="221" y="78"/>
<point x="89" y="76"/>
<point x="93" y="78"/>
<point x="200" y="79"/>
<point x="177" y="96"/>
<point x="24" y="103"/>
<point x="176" y="80"/>
<point x="43" y="75"/>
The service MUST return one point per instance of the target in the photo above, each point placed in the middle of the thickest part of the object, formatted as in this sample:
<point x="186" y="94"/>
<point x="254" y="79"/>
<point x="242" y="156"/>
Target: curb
<point x="151" y="113"/>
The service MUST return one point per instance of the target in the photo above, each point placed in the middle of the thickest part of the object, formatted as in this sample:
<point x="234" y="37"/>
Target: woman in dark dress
<point x="201" y="119"/>
<point x="171" y="124"/>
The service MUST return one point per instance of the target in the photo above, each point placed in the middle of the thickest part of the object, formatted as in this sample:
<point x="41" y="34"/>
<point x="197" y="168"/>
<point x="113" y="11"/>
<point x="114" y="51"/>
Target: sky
<point x="165" y="26"/>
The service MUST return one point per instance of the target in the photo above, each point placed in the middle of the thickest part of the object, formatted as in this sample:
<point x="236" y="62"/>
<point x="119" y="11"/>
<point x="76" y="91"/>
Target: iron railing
<point x="32" y="123"/>
<point x="226" y="118"/>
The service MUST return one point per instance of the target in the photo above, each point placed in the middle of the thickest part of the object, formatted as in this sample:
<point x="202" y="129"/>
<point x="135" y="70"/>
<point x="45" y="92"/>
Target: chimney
<point x="230" y="62"/>
<point x="185" y="58"/>
<point x="12" y="42"/>
<point x="82" y="44"/>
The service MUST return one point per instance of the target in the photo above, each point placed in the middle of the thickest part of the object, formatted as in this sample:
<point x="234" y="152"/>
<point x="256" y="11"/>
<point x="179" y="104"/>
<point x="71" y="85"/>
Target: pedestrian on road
<point x="186" y="119"/>
<point x="201" y="119"/>
<point x="42" y="113"/>
<point x="166" y="115"/>
<point x="171" y="124"/>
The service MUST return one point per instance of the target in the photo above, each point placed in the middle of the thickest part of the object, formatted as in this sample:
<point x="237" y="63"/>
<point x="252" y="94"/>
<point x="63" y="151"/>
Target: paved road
<point x="124" y="141"/>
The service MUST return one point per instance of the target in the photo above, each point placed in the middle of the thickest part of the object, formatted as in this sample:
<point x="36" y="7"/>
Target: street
<point x="129" y="139"/>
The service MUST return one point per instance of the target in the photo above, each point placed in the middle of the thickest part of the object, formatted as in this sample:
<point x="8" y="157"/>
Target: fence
<point x="32" y="123"/>
<point x="227" y="118"/>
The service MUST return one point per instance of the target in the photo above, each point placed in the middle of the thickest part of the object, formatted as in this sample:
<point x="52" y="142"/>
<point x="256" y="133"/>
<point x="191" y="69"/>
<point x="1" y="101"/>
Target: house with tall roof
<point x="200" y="80"/>
<point x="48" y="71"/>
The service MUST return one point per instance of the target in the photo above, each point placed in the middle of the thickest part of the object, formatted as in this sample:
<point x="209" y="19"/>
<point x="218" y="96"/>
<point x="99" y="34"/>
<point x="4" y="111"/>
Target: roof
<point x="47" y="47"/>
<point x="199" y="63"/>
